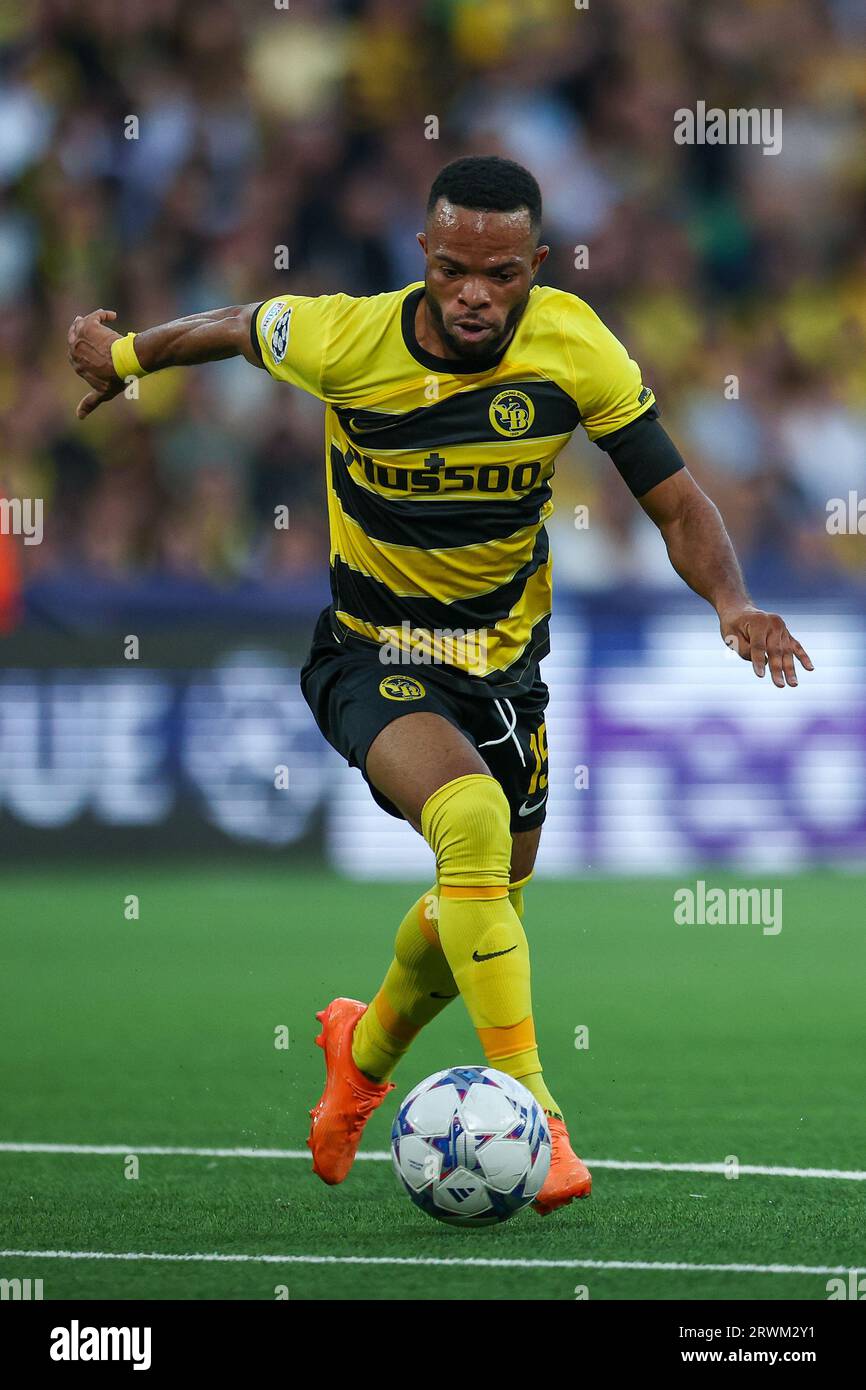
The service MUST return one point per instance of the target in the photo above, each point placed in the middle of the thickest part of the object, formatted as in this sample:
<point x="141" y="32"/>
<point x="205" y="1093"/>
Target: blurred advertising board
<point x="666" y="754"/>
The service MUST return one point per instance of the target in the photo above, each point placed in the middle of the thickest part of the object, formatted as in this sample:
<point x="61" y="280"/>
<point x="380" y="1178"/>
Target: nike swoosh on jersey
<point x="525" y="810"/>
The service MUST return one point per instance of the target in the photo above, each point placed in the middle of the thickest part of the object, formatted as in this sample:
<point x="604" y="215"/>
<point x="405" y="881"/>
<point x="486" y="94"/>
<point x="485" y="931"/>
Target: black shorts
<point x="353" y="696"/>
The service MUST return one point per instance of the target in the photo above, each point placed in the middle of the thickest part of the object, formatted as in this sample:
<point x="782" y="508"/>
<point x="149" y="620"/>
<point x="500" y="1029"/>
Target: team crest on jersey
<point x="511" y="413"/>
<point x="280" y="339"/>
<point x="401" y="688"/>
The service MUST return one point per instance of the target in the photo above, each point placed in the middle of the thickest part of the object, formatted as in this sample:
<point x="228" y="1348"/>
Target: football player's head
<point x="482" y="251"/>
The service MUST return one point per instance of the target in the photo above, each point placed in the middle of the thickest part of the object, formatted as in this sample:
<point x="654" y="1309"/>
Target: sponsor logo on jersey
<point x="644" y="395"/>
<point x="511" y="413"/>
<point x="269" y="317"/>
<point x="280" y="339"/>
<point x="436" y="476"/>
<point x="401" y="688"/>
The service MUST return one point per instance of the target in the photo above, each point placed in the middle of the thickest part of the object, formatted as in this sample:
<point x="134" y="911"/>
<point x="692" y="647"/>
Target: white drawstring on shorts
<point x="510" y="726"/>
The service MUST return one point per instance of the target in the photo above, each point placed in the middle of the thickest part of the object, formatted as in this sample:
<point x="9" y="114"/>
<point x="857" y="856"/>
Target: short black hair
<point x="489" y="184"/>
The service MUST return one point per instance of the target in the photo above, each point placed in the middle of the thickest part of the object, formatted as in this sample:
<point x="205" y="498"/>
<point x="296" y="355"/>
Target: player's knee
<point x="466" y="823"/>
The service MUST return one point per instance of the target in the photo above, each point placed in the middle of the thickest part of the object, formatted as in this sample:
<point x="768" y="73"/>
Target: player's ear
<point x="422" y="242"/>
<point x="541" y="254"/>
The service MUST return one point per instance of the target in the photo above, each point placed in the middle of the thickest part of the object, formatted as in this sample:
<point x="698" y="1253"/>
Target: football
<point x="471" y="1146"/>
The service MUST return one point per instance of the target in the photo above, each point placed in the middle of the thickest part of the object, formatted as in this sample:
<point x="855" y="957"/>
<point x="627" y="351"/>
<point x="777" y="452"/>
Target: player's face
<point x="480" y="268"/>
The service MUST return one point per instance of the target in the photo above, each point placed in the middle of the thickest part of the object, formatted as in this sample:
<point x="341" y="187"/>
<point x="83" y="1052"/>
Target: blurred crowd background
<point x="304" y="127"/>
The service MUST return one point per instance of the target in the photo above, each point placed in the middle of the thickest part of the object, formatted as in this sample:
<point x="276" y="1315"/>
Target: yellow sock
<point x="466" y="823"/>
<point x="533" y="1081"/>
<point x="535" y="1084"/>
<point x="417" y="987"/>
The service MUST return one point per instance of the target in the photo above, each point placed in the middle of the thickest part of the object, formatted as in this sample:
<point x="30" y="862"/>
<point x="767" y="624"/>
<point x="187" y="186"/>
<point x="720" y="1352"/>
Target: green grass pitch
<point x="704" y="1042"/>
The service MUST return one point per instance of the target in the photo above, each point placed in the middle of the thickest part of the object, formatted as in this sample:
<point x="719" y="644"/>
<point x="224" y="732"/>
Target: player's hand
<point x="763" y="638"/>
<point x="90" y="355"/>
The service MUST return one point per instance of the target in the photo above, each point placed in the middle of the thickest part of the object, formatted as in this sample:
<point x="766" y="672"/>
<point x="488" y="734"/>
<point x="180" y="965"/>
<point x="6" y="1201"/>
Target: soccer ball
<point x="471" y="1146"/>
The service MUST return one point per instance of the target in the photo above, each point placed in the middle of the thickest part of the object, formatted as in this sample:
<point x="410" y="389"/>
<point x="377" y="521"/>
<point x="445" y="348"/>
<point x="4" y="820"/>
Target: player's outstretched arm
<point x="105" y="359"/>
<point x="700" y="551"/>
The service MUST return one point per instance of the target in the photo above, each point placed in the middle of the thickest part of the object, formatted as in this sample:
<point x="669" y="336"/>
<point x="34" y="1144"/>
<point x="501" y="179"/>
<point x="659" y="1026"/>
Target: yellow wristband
<point x="124" y="359"/>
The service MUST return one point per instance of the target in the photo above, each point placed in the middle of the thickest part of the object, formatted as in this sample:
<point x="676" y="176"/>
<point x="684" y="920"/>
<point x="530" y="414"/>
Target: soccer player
<point x="447" y="404"/>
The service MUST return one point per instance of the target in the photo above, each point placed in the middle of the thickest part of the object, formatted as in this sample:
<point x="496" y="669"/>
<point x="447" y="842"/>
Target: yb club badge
<point x="511" y="413"/>
<point x="401" y="688"/>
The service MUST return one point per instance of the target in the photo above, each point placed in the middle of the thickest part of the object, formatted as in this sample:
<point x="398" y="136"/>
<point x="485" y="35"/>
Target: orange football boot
<point x="348" y="1099"/>
<point x="568" y="1178"/>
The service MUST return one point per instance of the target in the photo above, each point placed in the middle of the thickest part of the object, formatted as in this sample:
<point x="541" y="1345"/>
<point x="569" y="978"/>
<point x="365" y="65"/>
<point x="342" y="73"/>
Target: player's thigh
<point x="524" y="848"/>
<point x="415" y="755"/>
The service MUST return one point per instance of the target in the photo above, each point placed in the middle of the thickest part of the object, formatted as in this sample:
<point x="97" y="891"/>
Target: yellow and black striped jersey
<point x="439" y="471"/>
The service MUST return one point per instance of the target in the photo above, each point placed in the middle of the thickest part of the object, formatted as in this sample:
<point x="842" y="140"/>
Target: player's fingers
<point x="88" y="404"/>
<point x="757" y="655"/>
<point x="802" y="655"/>
<point x="73" y="330"/>
<point x="788" y="664"/>
<point x="775" y="645"/>
<point x="82" y="370"/>
<point x="105" y="315"/>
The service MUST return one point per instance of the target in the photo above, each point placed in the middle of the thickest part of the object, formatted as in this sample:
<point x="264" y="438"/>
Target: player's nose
<point x="474" y="295"/>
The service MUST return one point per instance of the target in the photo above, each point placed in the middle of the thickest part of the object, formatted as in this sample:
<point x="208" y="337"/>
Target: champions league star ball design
<point x="471" y="1146"/>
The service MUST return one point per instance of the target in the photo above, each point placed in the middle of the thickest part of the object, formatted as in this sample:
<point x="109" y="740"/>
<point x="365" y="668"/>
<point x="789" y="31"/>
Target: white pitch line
<point x="383" y="1156"/>
<point x="182" y="1151"/>
<point x="425" y="1260"/>
<point x="752" y="1169"/>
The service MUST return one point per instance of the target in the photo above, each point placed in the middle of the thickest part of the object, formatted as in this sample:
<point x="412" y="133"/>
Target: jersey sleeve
<point x="608" y="389"/>
<point x="617" y="411"/>
<point x="291" y="335"/>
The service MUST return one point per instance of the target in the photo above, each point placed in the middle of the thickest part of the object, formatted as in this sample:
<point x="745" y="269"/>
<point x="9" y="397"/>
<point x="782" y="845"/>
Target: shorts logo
<point x="511" y="413"/>
<point x="401" y="688"/>
<point x="525" y="810"/>
<point x="280" y="339"/>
